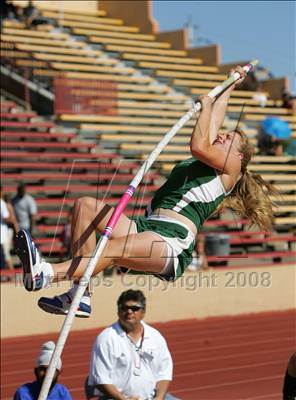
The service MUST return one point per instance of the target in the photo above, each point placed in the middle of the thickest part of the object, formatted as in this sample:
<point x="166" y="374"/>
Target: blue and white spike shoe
<point x="61" y="304"/>
<point x="33" y="265"/>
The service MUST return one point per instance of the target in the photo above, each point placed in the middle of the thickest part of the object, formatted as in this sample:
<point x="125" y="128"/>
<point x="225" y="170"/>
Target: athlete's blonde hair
<point x="251" y="195"/>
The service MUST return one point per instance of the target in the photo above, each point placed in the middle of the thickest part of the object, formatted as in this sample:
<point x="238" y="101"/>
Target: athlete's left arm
<point x="218" y="113"/>
<point x="202" y="148"/>
<point x="221" y="103"/>
<point x="200" y="132"/>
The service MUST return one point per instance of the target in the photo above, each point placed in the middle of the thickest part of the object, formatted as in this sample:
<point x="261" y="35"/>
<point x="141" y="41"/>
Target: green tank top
<point x="193" y="189"/>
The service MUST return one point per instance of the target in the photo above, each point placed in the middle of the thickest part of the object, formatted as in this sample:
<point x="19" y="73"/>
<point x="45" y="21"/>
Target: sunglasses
<point x="134" y="308"/>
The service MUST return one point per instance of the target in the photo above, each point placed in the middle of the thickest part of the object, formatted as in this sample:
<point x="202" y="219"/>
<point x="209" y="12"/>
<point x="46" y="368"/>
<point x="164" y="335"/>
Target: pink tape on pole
<point x="118" y="211"/>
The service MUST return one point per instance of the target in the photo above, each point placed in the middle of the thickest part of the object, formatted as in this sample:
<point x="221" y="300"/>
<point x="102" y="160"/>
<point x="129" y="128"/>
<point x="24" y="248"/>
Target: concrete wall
<point x="275" y="87"/>
<point x="197" y="295"/>
<point x="178" y="38"/>
<point x="134" y="13"/>
<point x="211" y="55"/>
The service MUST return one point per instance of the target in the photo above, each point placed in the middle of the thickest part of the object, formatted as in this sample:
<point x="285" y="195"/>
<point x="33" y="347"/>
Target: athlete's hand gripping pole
<point x="113" y="220"/>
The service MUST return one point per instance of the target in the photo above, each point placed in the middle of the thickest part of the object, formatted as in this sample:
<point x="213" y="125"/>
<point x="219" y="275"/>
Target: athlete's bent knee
<point x="88" y="203"/>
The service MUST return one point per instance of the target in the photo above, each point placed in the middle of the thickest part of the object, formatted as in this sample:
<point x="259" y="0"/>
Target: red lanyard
<point x="138" y="349"/>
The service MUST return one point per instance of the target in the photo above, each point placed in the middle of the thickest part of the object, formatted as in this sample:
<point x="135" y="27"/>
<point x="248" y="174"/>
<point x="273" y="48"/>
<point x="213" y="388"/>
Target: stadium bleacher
<point x="24" y="146"/>
<point x="154" y="87"/>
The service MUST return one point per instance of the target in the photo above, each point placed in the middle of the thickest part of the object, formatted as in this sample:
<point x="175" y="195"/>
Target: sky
<point x="246" y="30"/>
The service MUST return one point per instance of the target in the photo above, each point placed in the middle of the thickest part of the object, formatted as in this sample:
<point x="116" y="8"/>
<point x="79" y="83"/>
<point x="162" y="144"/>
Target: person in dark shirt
<point x="289" y="387"/>
<point x="25" y="208"/>
<point x="33" y="17"/>
<point x="269" y="145"/>
<point x="30" y="391"/>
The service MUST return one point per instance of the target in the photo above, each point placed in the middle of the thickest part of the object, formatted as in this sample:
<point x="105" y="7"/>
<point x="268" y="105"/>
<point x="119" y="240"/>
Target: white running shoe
<point x="33" y="271"/>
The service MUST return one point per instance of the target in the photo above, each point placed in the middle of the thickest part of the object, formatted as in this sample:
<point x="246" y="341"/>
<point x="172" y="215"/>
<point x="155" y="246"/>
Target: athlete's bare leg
<point x="89" y="216"/>
<point x="144" y="251"/>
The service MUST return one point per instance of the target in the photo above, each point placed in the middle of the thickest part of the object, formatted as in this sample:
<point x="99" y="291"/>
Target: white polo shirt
<point x="134" y="372"/>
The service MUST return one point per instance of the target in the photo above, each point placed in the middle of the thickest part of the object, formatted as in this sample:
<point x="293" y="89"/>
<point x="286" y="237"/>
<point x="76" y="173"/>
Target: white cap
<point x="45" y="355"/>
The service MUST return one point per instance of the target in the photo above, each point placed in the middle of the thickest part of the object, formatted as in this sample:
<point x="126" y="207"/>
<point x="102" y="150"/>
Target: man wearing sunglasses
<point x="130" y="360"/>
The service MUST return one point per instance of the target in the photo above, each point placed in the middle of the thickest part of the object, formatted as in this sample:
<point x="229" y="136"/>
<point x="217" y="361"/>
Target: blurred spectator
<point x="289" y="387"/>
<point x="269" y="145"/>
<point x="199" y="260"/>
<point x="290" y="147"/>
<point x="30" y="391"/>
<point x="260" y="96"/>
<point x="18" y="13"/>
<point x="66" y="236"/>
<point x="274" y="134"/>
<point x="25" y="208"/>
<point x="32" y="16"/>
<point x="2" y="259"/>
<point x="4" y="7"/>
<point x="30" y="13"/>
<point x="130" y="359"/>
<point x="13" y="221"/>
<point x="12" y="230"/>
<point x="5" y="219"/>
<point x="201" y="252"/>
<point x="7" y="10"/>
<point x="287" y="99"/>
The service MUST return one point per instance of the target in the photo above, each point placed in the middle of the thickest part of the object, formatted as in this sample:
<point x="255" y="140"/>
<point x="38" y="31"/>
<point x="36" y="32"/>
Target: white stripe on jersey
<point x="205" y="193"/>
